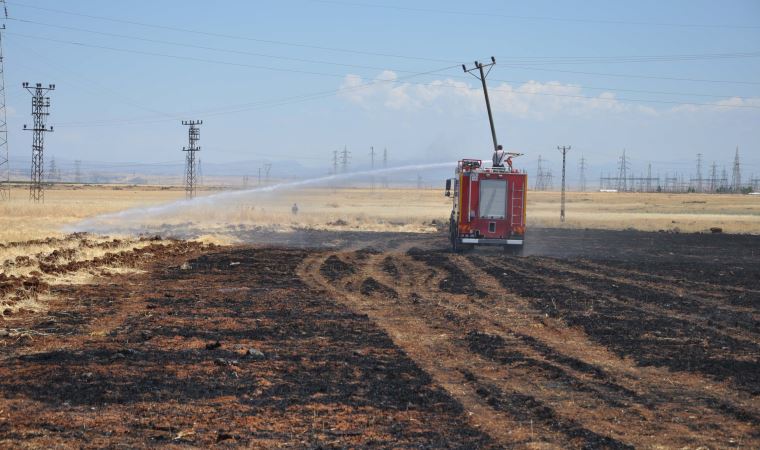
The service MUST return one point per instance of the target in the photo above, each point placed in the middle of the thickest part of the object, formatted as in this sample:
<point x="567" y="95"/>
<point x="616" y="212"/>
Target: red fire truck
<point x="489" y="206"/>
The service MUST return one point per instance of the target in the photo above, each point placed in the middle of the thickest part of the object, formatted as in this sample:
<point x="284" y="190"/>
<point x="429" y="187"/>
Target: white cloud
<point x="531" y="100"/>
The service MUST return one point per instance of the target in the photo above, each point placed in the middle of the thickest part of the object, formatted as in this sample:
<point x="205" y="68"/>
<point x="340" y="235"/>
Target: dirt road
<point x="595" y="340"/>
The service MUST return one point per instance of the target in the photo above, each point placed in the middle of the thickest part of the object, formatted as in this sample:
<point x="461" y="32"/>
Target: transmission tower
<point x="699" y="172"/>
<point x="194" y="135"/>
<point x="724" y="179"/>
<point x="5" y="166"/>
<point x="40" y="111"/>
<point x="543" y="176"/>
<point x="582" y="167"/>
<point x="564" y="150"/>
<point x="267" y="169"/>
<point x="713" y="177"/>
<point x="54" y="174"/>
<point x="345" y="155"/>
<point x="623" y="167"/>
<point x="736" y="178"/>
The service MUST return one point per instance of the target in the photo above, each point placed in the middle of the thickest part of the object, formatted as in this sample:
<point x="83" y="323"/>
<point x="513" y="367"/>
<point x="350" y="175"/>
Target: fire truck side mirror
<point x="448" y="187"/>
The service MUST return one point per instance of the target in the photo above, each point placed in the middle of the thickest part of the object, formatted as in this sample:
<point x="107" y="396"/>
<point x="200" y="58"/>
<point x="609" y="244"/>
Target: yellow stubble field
<point x="393" y="209"/>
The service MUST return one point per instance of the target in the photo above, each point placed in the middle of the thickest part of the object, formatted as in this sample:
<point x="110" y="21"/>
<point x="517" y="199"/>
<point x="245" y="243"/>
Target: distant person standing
<point x="294" y="209"/>
<point x="498" y="156"/>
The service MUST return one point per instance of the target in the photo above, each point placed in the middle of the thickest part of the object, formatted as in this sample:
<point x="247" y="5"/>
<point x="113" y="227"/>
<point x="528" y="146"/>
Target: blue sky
<point x="292" y="80"/>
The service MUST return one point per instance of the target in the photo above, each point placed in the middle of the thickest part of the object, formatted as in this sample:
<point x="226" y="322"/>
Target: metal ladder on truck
<point x="517" y="206"/>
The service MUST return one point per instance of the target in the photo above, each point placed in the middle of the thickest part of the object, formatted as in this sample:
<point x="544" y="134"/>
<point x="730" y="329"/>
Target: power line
<point x="229" y="36"/>
<point x="391" y="80"/>
<point x="609" y="59"/>
<point x="491" y="14"/>
<point x="203" y="47"/>
<point x="621" y="75"/>
<point x="563" y="60"/>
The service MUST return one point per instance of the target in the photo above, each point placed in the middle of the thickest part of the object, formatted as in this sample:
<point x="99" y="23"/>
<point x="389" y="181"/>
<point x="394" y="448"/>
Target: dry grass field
<point x="379" y="337"/>
<point x="362" y="209"/>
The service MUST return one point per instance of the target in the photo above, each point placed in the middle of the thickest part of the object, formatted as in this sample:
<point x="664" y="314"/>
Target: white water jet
<point x="129" y="219"/>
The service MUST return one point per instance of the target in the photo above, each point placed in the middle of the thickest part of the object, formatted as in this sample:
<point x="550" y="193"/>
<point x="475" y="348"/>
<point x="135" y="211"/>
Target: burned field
<point x="594" y="339"/>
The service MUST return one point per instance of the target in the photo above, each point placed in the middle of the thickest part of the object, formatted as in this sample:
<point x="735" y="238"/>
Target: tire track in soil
<point x="716" y="405"/>
<point x="175" y="369"/>
<point x="636" y="326"/>
<point x="722" y="318"/>
<point x="645" y="412"/>
<point x="440" y="322"/>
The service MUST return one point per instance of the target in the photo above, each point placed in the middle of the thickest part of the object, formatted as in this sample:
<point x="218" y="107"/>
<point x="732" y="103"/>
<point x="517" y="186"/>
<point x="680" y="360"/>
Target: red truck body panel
<point x="489" y="205"/>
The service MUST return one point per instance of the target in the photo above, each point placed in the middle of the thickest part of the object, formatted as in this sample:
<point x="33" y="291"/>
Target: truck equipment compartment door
<point x="493" y="199"/>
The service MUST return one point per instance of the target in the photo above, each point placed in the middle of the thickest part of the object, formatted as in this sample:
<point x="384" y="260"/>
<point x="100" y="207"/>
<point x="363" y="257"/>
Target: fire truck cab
<point x="488" y="206"/>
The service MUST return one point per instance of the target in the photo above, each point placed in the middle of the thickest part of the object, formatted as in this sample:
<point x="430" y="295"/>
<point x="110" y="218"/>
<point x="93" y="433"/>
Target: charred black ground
<point x="595" y="339"/>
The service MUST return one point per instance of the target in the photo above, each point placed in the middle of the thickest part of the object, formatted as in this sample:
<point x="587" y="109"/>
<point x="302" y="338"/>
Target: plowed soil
<point x="592" y="340"/>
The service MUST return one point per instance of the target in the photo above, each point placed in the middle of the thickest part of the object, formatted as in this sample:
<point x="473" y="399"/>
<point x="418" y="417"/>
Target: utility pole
<point x="194" y="135"/>
<point x="482" y="78"/>
<point x="736" y="179"/>
<point x="5" y="165"/>
<point x="267" y="169"/>
<point x="385" y="166"/>
<point x="40" y="111"/>
<point x="77" y="171"/>
<point x="583" y="174"/>
<point x="564" y="151"/>
<point x="372" y="167"/>
<point x="345" y="155"/>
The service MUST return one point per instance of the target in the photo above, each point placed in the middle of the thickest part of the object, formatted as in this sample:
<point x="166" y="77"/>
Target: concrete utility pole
<point x="564" y="151"/>
<point x="372" y="166"/>
<point x="40" y="111"/>
<point x="385" y="166"/>
<point x="482" y="78"/>
<point x="77" y="171"/>
<point x="194" y="135"/>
